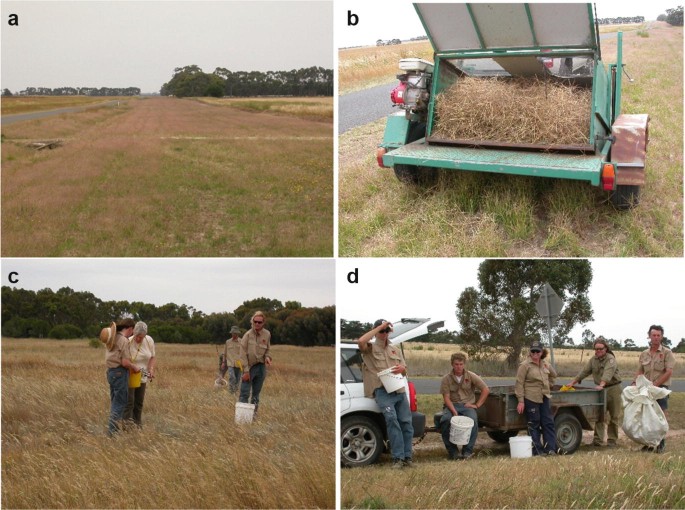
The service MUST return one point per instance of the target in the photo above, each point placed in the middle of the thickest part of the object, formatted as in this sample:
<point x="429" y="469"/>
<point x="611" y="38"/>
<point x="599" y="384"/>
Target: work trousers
<point x="541" y="426"/>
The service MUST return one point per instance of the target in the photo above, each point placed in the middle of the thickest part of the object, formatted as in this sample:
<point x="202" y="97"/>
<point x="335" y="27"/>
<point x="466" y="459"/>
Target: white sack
<point x="643" y="420"/>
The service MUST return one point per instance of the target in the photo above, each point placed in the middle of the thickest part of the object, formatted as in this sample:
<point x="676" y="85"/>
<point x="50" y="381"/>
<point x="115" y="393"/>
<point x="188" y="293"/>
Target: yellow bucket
<point x="134" y="379"/>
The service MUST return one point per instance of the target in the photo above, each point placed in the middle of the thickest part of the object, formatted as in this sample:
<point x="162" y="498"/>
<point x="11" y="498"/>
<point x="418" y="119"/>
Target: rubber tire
<point x="502" y="436"/>
<point x="569" y="432"/>
<point x="412" y="174"/>
<point x="361" y="441"/>
<point x="625" y="197"/>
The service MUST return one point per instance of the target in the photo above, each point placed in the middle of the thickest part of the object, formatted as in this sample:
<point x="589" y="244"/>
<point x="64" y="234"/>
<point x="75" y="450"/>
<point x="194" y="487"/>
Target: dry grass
<point x="515" y="110"/>
<point x="320" y="108"/>
<point x="24" y="104"/>
<point x="190" y="454"/>
<point x="173" y="178"/>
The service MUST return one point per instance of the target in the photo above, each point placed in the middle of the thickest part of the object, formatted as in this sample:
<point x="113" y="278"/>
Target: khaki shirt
<point x="232" y="352"/>
<point x="255" y="348"/>
<point x="654" y="365"/>
<point x="605" y="369"/>
<point x="118" y="353"/>
<point x="462" y="392"/>
<point x="376" y="359"/>
<point x="534" y="381"/>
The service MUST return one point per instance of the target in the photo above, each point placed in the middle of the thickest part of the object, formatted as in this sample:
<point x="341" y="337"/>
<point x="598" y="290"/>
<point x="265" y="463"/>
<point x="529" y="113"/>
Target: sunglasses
<point x="600" y="348"/>
<point x="258" y="322"/>
<point x="535" y="351"/>
<point x="386" y="330"/>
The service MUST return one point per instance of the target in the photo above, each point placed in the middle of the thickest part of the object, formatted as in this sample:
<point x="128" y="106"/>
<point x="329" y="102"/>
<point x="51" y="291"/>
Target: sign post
<point x="549" y="306"/>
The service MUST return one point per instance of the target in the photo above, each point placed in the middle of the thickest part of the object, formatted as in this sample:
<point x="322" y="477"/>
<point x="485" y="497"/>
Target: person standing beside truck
<point x="378" y="356"/>
<point x="656" y="364"/>
<point x="605" y="374"/>
<point x="458" y="392"/>
<point x="534" y="381"/>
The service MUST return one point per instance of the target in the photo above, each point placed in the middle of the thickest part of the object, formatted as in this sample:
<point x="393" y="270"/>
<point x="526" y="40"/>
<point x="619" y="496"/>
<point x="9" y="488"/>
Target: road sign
<point x="549" y="305"/>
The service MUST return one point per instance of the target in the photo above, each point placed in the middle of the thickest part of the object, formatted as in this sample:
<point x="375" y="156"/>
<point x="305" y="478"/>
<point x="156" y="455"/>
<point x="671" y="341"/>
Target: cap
<point x="536" y="346"/>
<point x="378" y="323"/>
<point x="235" y="329"/>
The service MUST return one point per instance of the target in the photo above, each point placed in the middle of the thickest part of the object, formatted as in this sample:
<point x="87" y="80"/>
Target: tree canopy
<point x="501" y="314"/>
<point x="71" y="314"/>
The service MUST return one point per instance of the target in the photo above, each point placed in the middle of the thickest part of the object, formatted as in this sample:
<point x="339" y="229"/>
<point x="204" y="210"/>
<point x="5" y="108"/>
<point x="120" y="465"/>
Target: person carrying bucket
<point x="379" y="356"/>
<point x="458" y="392"/>
<point x="255" y="356"/>
<point x="534" y="381"/>
<point x="231" y="360"/>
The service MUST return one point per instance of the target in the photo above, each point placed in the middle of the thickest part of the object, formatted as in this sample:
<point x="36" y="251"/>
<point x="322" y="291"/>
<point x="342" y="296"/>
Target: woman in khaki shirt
<point x="534" y="381"/>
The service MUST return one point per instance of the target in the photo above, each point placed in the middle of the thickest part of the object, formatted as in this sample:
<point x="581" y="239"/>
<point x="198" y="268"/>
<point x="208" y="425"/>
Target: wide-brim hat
<point x="235" y="329"/>
<point x="107" y="335"/>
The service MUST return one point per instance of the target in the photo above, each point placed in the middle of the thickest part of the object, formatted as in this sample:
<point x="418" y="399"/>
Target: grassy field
<point x="25" y="104"/>
<point x="317" y="108"/>
<point x="189" y="454"/>
<point x="467" y="214"/>
<point x="168" y="177"/>
<point x="433" y="360"/>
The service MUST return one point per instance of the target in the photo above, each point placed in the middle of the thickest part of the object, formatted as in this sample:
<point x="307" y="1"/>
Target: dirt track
<point x="175" y="177"/>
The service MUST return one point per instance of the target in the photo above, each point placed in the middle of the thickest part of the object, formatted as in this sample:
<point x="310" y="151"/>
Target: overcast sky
<point x="627" y="295"/>
<point x="139" y="43"/>
<point x="398" y="19"/>
<point x="209" y="285"/>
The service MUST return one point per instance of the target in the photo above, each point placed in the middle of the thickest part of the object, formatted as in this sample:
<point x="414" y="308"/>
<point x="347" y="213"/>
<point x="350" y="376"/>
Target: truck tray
<point x="540" y="164"/>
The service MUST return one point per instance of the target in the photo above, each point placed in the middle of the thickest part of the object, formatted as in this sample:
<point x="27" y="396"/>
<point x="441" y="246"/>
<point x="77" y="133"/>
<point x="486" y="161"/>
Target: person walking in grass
<point x="534" y="380"/>
<point x="118" y="361"/>
<point x="657" y="364"/>
<point x="604" y="370"/>
<point x="458" y="389"/>
<point x="255" y="356"/>
<point x="231" y="360"/>
<point x="142" y="352"/>
<point x="378" y="356"/>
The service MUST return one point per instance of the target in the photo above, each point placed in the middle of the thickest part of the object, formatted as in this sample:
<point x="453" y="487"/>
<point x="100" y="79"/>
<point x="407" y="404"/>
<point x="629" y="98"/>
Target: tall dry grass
<point x="24" y="104"/>
<point x="314" y="108"/>
<point x="190" y="454"/>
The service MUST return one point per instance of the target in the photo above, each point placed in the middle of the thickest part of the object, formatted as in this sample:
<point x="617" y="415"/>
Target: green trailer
<point x="557" y="44"/>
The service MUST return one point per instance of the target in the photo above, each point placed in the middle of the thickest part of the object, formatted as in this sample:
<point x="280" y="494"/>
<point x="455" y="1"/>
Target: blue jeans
<point x="257" y="376"/>
<point x="234" y="374"/>
<point x="397" y="414"/>
<point x="444" y="425"/>
<point x="118" y="395"/>
<point x="541" y="423"/>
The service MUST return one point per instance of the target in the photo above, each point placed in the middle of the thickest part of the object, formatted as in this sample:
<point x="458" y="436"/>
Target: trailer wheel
<point x="569" y="432"/>
<point x="625" y="197"/>
<point x="412" y="174"/>
<point x="361" y="441"/>
<point x="502" y="436"/>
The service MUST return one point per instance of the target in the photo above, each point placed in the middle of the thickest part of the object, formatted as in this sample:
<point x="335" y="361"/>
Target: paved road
<point x="359" y="108"/>
<point x="20" y="117"/>
<point x="432" y="386"/>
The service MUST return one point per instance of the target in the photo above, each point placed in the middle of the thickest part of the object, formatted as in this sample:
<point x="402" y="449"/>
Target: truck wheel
<point x="569" y="432"/>
<point x="502" y="436"/>
<point x="625" y="197"/>
<point x="361" y="441"/>
<point x="411" y="174"/>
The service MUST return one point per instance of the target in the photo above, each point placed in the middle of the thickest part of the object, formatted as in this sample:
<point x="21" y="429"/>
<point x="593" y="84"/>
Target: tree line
<point x="500" y="316"/>
<point x="76" y="91"/>
<point x="192" y="81"/>
<point x="66" y="314"/>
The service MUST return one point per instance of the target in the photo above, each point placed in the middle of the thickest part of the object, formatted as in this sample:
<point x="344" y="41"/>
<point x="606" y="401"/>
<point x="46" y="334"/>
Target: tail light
<point x="379" y="156"/>
<point x="412" y="398"/>
<point x="608" y="177"/>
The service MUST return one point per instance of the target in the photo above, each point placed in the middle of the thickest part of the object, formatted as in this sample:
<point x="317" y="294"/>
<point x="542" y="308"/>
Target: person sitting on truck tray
<point x="458" y="391"/>
<point x="379" y="356"/>
<point x="604" y="370"/>
<point x="534" y="381"/>
<point x="656" y="364"/>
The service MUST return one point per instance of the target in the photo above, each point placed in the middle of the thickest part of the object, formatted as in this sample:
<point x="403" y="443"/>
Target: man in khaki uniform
<point x="255" y="356"/>
<point x="656" y="364"/>
<point x="379" y="356"/>
<point x="458" y="393"/>
<point x="231" y="360"/>
<point x="605" y="374"/>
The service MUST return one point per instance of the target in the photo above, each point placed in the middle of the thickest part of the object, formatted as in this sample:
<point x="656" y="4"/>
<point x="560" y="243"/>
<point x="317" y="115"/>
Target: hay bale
<point x="514" y="110"/>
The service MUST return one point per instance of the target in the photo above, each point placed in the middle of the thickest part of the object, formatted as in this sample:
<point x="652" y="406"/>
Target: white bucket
<point x="244" y="412"/>
<point x="391" y="382"/>
<point x="521" y="447"/>
<point x="460" y="430"/>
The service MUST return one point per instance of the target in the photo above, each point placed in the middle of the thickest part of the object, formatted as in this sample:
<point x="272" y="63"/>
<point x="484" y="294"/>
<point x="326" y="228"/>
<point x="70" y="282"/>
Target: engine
<point x="413" y="92"/>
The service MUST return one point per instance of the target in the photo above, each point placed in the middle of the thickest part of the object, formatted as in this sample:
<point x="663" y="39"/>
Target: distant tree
<point x="7" y="93"/>
<point x="675" y="16"/>
<point x="681" y="346"/>
<point x="661" y="17"/>
<point x="588" y="338"/>
<point x="65" y="332"/>
<point x="629" y="344"/>
<point x="353" y="329"/>
<point x="501" y="313"/>
<point x="666" y="342"/>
